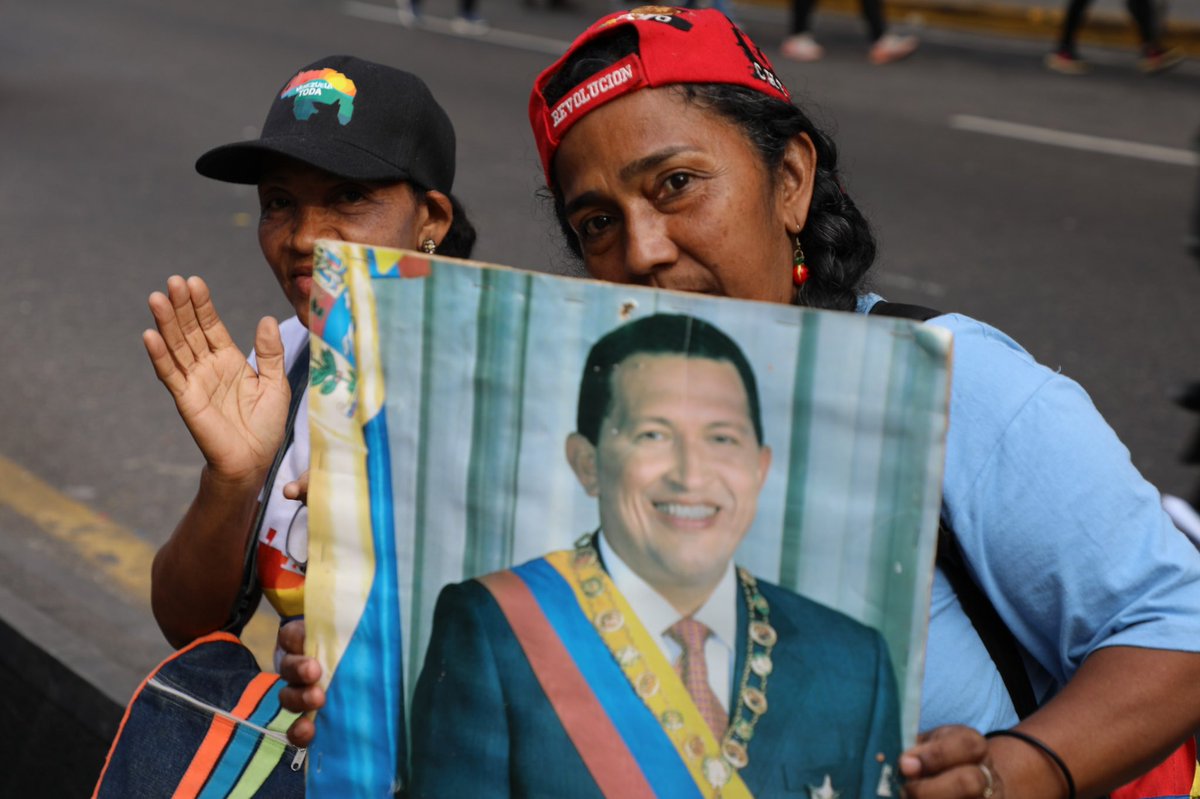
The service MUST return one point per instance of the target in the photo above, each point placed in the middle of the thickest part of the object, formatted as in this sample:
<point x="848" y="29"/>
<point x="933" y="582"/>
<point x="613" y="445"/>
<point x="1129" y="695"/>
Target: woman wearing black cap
<point x="677" y="159"/>
<point x="350" y="150"/>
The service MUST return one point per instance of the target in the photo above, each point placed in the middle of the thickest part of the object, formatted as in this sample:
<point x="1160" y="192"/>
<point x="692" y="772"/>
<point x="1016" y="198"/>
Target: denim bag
<point x="205" y="724"/>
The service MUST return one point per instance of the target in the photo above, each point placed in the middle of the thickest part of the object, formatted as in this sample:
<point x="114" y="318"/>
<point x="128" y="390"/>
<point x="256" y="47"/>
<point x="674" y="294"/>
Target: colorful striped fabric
<point x="588" y="723"/>
<point x="351" y="600"/>
<point x="205" y="724"/>
<point x="226" y="748"/>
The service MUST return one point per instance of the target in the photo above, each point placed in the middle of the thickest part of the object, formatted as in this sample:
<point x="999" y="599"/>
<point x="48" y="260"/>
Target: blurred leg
<point x="1072" y="22"/>
<point x="885" y="47"/>
<point x="801" y="12"/>
<point x="800" y="45"/>
<point x="872" y="12"/>
<point x="1142" y="12"/>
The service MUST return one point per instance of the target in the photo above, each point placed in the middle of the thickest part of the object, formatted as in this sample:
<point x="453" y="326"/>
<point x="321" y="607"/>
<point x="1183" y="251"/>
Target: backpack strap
<point x="251" y="591"/>
<point x="904" y="311"/>
<point x="999" y="641"/>
<point x="1001" y="645"/>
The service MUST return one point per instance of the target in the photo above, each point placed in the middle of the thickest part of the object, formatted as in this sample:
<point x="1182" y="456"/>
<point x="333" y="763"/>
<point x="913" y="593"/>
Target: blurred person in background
<point x="885" y="47"/>
<point x="1145" y="13"/>
<point x="467" y="22"/>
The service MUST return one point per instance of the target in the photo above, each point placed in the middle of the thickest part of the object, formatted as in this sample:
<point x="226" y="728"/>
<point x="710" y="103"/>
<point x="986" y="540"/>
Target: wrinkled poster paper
<point x="441" y="392"/>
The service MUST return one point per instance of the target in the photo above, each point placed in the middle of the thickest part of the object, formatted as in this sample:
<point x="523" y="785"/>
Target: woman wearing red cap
<point x="350" y="150"/>
<point x="677" y="159"/>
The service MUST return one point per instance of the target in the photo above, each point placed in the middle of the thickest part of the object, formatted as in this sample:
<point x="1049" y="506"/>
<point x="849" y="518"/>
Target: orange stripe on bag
<point x="219" y="733"/>
<point x="218" y="636"/>
<point x="583" y="717"/>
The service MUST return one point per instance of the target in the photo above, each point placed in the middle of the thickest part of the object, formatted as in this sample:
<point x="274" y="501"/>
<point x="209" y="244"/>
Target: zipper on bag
<point x="297" y="759"/>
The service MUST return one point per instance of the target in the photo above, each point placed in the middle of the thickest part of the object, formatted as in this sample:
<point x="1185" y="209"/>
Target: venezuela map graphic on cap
<point x="323" y="86"/>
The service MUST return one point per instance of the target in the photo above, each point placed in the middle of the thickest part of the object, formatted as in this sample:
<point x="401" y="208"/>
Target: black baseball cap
<point x="353" y="118"/>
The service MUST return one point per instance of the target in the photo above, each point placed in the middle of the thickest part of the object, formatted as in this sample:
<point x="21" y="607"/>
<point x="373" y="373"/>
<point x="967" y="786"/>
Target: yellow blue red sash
<point x="620" y="701"/>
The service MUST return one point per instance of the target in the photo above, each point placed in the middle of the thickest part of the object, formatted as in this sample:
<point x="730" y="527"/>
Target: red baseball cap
<point x="675" y="45"/>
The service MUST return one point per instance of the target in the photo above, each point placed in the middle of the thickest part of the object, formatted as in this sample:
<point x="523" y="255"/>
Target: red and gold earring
<point x="799" y="269"/>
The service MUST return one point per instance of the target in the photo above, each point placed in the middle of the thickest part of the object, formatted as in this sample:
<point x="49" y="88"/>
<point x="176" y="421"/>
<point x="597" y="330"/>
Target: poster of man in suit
<point x="744" y="687"/>
<point x="644" y="543"/>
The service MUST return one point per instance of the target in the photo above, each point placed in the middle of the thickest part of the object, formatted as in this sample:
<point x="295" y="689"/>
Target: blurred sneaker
<point x="891" y="47"/>
<point x="1159" y="60"/>
<point x="802" y="47"/>
<point x="1066" y="63"/>
<point x="469" y="25"/>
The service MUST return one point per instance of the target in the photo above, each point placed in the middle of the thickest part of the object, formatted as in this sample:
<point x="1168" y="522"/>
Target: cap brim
<point x="245" y="162"/>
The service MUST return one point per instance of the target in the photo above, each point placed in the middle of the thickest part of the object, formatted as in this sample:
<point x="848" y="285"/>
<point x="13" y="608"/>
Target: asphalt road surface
<point x="1071" y="243"/>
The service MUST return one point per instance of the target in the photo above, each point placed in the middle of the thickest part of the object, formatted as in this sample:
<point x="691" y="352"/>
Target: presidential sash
<point x="620" y="701"/>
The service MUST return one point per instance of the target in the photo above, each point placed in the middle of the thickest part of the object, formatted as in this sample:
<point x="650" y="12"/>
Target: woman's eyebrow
<point x="582" y="201"/>
<point x="634" y="168"/>
<point x="627" y="172"/>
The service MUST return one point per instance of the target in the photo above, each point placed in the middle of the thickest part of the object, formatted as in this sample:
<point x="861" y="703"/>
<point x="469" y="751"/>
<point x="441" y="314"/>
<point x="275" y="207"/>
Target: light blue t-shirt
<point x="1066" y="538"/>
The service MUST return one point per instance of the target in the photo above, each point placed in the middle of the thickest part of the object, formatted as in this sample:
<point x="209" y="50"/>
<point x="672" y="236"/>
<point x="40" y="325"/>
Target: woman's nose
<point x="648" y="245"/>
<point x="311" y="223"/>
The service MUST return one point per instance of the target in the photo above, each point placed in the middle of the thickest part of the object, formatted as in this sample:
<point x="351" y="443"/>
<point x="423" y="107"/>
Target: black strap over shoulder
<point x="904" y="310"/>
<point x="251" y="591"/>
<point x="1001" y="645"/>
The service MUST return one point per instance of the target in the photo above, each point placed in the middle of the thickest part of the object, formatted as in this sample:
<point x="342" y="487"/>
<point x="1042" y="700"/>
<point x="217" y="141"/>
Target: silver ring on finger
<point x="989" y="781"/>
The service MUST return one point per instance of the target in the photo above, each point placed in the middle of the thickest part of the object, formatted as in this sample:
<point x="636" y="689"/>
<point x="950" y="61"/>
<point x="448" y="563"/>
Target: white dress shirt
<point x="718" y="613"/>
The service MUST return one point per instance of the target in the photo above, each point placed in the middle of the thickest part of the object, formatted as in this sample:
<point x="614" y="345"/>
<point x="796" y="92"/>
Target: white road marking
<point x="514" y="39"/>
<point x="1075" y="141"/>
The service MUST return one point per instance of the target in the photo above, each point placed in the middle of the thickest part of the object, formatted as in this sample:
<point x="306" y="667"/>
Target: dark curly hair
<point x="839" y="246"/>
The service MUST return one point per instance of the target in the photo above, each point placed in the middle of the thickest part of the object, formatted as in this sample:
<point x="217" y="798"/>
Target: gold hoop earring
<point x="800" y="271"/>
<point x="429" y="246"/>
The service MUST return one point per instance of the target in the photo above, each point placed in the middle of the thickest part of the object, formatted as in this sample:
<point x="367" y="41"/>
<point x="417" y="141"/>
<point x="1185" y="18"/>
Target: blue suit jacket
<point x="482" y="726"/>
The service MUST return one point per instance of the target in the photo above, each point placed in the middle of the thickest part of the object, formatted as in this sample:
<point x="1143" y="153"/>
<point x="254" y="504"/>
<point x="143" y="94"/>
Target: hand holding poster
<point x="450" y="427"/>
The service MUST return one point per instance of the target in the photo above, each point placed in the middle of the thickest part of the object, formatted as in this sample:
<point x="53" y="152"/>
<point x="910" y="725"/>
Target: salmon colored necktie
<point x="693" y="670"/>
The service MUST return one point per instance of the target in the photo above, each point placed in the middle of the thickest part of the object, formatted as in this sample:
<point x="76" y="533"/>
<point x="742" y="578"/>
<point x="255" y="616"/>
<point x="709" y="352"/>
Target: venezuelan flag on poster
<point x="351" y="598"/>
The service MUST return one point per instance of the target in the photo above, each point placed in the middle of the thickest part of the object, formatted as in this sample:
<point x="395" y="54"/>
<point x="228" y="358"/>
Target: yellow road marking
<point x="110" y="550"/>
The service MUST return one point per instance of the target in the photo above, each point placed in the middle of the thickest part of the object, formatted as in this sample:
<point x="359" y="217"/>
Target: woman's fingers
<point x="298" y="488"/>
<point x="164" y="364"/>
<point x="189" y="330"/>
<point x="207" y="317"/>
<point x="943" y="748"/>
<point x="302" y="732"/>
<point x="185" y="313"/>
<point x="268" y="351"/>
<point x="301" y="674"/>
<point x="949" y="762"/>
<point x="290" y="638"/>
<point x="167" y="323"/>
<point x="961" y="782"/>
<point x="302" y="694"/>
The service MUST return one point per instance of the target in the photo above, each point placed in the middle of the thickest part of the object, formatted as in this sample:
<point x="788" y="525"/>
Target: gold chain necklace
<point x="750" y="702"/>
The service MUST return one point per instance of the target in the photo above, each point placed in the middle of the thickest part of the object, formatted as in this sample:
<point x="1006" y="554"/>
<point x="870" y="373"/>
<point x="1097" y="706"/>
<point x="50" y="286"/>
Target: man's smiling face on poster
<point x="677" y="468"/>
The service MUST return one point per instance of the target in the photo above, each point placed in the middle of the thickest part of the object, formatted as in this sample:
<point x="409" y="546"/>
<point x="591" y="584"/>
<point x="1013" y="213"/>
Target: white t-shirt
<point x="283" y="536"/>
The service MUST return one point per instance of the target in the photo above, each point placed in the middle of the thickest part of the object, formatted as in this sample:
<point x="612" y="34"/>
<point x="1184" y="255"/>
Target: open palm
<point x="236" y="415"/>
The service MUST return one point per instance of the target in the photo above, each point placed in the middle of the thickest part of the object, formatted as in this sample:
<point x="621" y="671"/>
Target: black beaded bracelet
<point x="1050" y="753"/>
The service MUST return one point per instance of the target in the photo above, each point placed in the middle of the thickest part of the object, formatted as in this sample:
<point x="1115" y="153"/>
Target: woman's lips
<point x="303" y="284"/>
